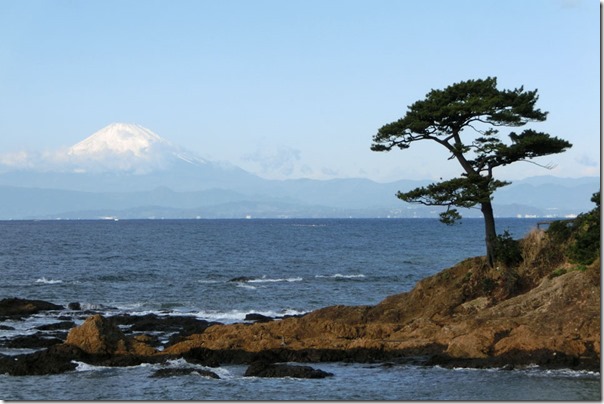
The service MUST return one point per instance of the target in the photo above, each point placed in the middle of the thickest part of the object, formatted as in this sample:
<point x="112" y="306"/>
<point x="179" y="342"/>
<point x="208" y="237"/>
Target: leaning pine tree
<point x="463" y="119"/>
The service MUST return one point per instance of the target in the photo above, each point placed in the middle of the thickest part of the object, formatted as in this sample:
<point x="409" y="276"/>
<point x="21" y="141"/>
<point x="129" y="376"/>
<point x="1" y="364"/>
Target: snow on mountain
<point x="122" y="157"/>
<point x="127" y="147"/>
<point x="118" y="138"/>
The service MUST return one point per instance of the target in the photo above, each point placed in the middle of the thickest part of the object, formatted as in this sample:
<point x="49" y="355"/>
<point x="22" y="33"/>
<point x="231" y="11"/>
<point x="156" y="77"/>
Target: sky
<point x="296" y="88"/>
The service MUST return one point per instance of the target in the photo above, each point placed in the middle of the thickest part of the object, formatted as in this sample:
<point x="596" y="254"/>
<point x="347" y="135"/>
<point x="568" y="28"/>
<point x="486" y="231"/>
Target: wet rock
<point x="6" y="327"/>
<point x="153" y="322"/>
<point x="63" y="325"/>
<point x="74" y="306"/>
<point x="170" y="372"/>
<point x="37" y="340"/>
<point x="151" y="340"/>
<point x="214" y="358"/>
<point x="123" y="360"/>
<point x="258" y="318"/>
<point x="56" y="359"/>
<point x="16" y="307"/>
<point x="241" y="279"/>
<point x="180" y="326"/>
<point x="519" y="359"/>
<point x="267" y="369"/>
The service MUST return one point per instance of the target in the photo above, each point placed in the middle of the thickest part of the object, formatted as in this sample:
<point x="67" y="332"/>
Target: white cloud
<point x="19" y="160"/>
<point x="274" y="162"/>
<point x="585" y="160"/>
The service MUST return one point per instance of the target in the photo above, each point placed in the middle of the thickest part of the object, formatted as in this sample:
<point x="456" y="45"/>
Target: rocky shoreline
<point x="449" y="319"/>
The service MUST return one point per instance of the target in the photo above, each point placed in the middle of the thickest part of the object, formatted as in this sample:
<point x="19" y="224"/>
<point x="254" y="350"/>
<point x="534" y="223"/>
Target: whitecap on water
<point x="222" y="372"/>
<point x="336" y="276"/>
<point x="264" y="279"/>
<point x="48" y="281"/>
<point x="244" y="285"/>
<point x="85" y="367"/>
<point x="239" y="315"/>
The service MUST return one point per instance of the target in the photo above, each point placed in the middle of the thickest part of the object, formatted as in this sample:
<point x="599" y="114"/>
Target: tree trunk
<point x="490" y="233"/>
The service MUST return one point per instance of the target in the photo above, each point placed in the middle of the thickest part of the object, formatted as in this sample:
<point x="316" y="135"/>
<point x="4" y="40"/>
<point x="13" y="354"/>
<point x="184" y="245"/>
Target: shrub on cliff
<point x="580" y="238"/>
<point x="567" y="245"/>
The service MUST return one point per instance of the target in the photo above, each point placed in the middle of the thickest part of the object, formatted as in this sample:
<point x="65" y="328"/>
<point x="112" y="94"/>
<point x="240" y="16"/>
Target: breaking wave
<point x="264" y="279"/>
<point x="48" y="281"/>
<point x="341" y="276"/>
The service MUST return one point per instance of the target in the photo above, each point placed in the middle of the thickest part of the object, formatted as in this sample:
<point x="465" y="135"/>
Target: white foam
<point x="85" y="367"/>
<point x="182" y="363"/>
<point x="48" y="281"/>
<point x="341" y="276"/>
<point x="263" y="279"/>
<point x="244" y="285"/>
<point x="223" y="316"/>
<point x="239" y="315"/>
<point x="568" y="372"/>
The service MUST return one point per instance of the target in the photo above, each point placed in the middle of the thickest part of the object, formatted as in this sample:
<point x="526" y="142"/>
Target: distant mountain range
<point x="127" y="171"/>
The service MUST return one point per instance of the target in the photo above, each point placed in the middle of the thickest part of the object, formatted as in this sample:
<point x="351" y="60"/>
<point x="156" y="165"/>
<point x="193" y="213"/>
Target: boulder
<point x="56" y="359"/>
<point x="180" y="326"/>
<point x="258" y="318"/>
<point x="37" y="340"/>
<point x="16" y="307"/>
<point x="101" y="336"/>
<point x="213" y="358"/>
<point x="170" y="372"/>
<point x="127" y="360"/>
<point x="241" y="279"/>
<point x="267" y="369"/>
<point x="63" y="325"/>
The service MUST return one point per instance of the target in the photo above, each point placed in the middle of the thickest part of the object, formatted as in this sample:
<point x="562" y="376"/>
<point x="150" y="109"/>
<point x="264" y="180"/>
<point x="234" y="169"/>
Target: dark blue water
<point x="293" y="266"/>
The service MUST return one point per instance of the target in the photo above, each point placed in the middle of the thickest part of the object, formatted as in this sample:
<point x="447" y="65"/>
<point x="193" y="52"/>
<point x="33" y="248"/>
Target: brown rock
<point x="559" y="317"/>
<point x="100" y="336"/>
<point x="97" y="335"/>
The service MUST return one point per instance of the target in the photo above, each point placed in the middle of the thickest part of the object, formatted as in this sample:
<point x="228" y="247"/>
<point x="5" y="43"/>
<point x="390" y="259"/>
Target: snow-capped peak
<point x="127" y="147"/>
<point x="119" y="138"/>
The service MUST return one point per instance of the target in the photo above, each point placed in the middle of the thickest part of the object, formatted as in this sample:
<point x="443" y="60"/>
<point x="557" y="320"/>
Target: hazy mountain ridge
<point x="308" y="198"/>
<point x="127" y="171"/>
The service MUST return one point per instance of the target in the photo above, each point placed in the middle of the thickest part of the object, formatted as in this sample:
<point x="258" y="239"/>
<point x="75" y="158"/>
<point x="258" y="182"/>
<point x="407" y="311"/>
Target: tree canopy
<point x="465" y="119"/>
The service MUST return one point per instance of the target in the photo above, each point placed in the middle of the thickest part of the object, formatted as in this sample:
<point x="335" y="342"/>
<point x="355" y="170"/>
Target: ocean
<point x="284" y="266"/>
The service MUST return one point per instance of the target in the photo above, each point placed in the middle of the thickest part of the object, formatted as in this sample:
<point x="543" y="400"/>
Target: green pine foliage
<point x="466" y="118"/>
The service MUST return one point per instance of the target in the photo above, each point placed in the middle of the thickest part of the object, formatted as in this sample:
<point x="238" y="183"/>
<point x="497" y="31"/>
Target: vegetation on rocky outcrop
<point x="540" y="304"/>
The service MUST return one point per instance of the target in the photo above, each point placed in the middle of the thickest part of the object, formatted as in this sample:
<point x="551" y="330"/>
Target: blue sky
<point x="293" y="88"/>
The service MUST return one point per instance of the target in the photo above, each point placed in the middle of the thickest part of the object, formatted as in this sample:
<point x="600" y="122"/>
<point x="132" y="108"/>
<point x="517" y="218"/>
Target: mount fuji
<point x="124" y="157"/>
<point x="127" y="148"/>
<point x="127" y="171"/>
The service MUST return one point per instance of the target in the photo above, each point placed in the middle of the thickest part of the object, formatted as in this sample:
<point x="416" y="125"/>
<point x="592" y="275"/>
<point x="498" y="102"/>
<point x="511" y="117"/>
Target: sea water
<point x="285" y="267"/>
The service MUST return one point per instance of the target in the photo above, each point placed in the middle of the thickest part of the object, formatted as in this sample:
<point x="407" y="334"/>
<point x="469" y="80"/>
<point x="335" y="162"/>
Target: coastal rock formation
<point x="179" y="326"/>
<point x="15" y="307"/>
<point x="171" y="372"/>
<point x="101" y="336"/>
<point x="56" y="359"/>
<point x="550" y="323"/>
<point x="37" y="340"/>
<point x="267" y="369"/>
